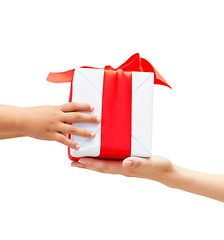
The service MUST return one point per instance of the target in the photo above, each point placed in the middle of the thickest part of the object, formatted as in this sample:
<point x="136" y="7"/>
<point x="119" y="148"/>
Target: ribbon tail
<point x="61" y="77"/>
<point x="160" y="80"/>
<point x="147" y="67"/>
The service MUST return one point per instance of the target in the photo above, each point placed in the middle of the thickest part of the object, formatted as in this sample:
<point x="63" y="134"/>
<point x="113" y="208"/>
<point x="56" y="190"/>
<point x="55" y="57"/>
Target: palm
<point x="153" y="168"/>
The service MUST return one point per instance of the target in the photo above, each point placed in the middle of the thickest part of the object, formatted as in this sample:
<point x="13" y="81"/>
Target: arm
<point x="10" y="135"/>
<point x="208" y="185"/>
<point x="162" y="170"/>
<point x="10" y="122"/>
<point x="46" y="122"/>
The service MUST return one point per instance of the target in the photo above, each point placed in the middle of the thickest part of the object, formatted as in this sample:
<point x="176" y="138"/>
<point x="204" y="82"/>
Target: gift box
<point x="122" y="98"/>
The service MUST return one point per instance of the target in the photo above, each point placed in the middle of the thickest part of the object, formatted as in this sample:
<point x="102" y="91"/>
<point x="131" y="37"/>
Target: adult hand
<point x="154" y="168"/>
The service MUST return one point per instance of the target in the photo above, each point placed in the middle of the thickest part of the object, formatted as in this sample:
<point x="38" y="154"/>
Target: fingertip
<point x="98" y="119"/>
<point x="82" y="160"/>
<point x="74" y="145"/>
<point x="91" y="107"/>
<point x="92" y="134"/>
<point x="77" y="146"/>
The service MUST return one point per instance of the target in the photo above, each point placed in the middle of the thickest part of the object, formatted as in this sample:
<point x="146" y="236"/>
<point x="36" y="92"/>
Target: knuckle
<point x="72" y="129"/>
<point x="93" y="118"/>
<point x="60" y="139"/>
<point x="74" y="118"/>
<point x="52" y="110"/>
<point x="61" y="107"/>
<point x="56" y="116"/>
<point x="77" y="116"/>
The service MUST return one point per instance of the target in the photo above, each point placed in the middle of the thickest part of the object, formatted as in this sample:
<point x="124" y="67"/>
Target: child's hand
<point x="52" y="122"/>
<point x="154" y="168"/>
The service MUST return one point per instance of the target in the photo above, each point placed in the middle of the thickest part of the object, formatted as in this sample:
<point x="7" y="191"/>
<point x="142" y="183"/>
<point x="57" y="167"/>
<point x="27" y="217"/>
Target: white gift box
<point x="88" y="87"/>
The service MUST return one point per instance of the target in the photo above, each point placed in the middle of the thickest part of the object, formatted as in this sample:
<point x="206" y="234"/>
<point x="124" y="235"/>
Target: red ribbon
<point x="116" y="115"/>
<point x="134" y="63"/>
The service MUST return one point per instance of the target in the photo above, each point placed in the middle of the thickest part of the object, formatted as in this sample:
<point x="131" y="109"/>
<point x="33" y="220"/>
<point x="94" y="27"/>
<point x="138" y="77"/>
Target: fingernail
<point x="93" y="134"/>
<point x="127" y="163"/>
<point x="77" y="146"/>
<point x="98" y="119"/>
<point x="91" y="107"/>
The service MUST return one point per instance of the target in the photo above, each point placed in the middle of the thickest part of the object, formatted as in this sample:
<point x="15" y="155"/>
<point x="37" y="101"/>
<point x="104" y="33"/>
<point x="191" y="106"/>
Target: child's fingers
<point x="70" y="129"/>
<point x="80" y="117"/>
<point x="66" y="141"/>
<point x="76" y="106"/>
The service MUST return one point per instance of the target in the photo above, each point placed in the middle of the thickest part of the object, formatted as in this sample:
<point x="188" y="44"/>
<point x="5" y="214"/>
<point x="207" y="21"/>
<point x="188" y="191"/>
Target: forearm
<point x="11" y="121"/>
<point x="10" y="135"/>
<point x="208" y="185"/>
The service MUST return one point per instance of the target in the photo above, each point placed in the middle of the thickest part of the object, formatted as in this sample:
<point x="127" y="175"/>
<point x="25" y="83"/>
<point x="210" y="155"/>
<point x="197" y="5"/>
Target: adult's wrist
<point x="178" y="177"/>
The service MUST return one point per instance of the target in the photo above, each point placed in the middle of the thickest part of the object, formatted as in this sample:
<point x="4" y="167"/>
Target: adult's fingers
<point x="102" y="165"/>
<point x="76" y="106"/>
<point x="77" y="164"/>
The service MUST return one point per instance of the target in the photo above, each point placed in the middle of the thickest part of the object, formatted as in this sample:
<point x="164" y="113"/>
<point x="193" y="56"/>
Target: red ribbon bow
<point x="121" y="147"/>
<point x="134" y="63"/>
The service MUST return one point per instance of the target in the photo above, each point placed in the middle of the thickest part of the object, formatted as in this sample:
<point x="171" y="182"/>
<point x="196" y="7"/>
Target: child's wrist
<point x="21" y="121"/>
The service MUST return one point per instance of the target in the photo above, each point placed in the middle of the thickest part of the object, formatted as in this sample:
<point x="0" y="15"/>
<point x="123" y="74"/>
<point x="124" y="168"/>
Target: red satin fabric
<point x="61" y="77"/>
<point x="69" y="135"/>
<point x="116" y="115"/>
<point x="134" y="63"/>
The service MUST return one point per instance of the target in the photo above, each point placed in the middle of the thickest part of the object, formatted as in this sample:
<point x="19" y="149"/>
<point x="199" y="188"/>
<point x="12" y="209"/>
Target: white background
<point x="41" y="196"/>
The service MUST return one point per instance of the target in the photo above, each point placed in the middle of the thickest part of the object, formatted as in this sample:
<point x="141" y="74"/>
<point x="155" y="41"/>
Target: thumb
<point x="132" y="162"/>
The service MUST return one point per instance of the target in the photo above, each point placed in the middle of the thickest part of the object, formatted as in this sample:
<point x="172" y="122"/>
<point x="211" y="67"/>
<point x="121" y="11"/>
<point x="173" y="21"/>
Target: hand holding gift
<point x="160" y="169"/>
<point x="47" y="122"/>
